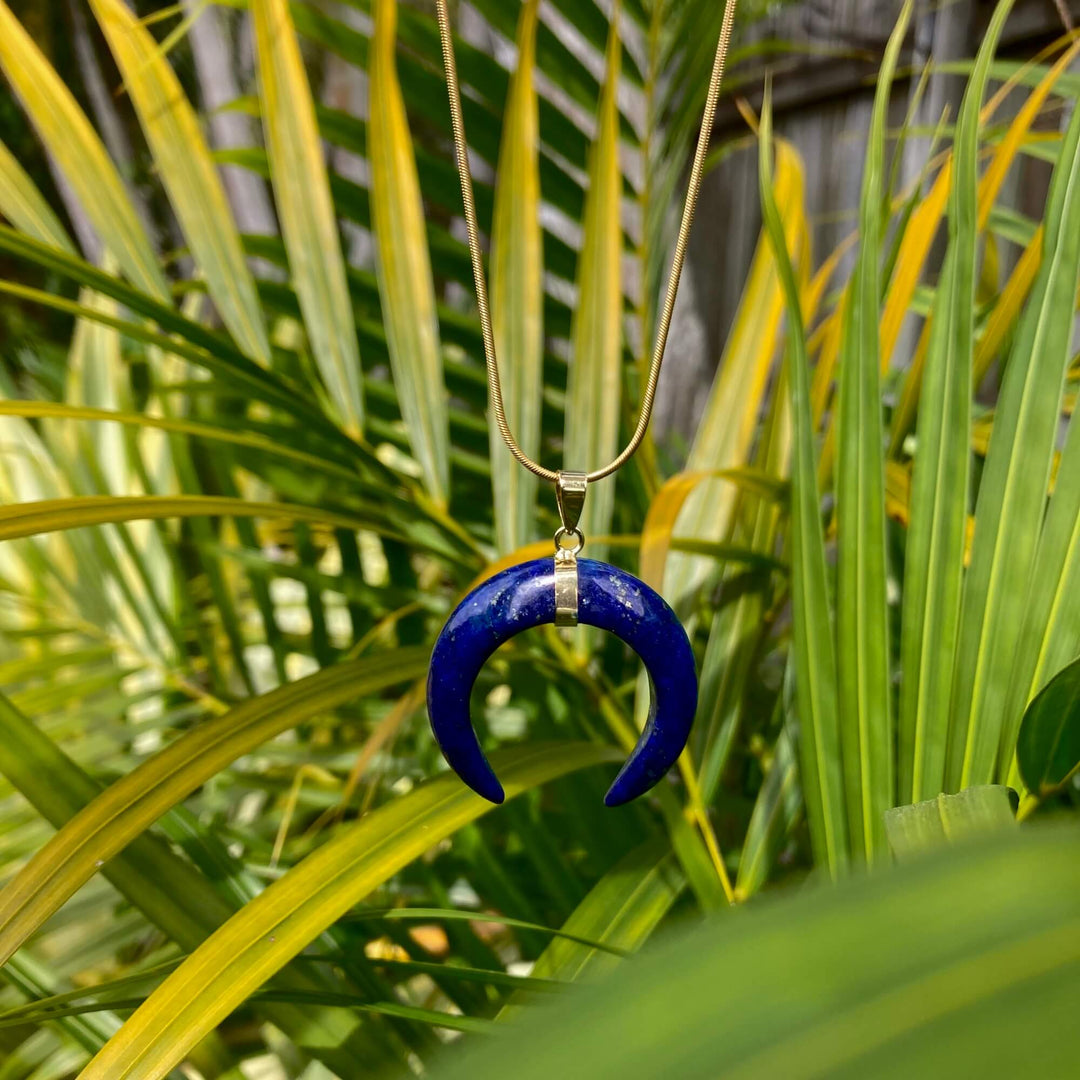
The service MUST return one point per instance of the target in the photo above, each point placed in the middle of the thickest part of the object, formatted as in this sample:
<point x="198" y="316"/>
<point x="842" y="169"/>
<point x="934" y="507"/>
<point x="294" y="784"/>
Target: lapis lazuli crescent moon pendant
<point x="564" y="590"/>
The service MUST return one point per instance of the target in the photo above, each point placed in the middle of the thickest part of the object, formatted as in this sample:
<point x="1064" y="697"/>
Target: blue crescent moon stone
<point x="523" y="597"/>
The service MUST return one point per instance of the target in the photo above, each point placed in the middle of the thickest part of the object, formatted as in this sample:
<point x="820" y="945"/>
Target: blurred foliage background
<point x="246" y="474"/>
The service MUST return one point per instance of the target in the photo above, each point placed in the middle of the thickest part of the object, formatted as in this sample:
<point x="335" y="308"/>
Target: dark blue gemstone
<point x="523" y="597"/>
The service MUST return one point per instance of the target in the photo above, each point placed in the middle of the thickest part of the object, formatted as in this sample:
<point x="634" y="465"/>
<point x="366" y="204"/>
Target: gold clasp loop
<point x="570" y="490"/>
<point x="571" y="551"/>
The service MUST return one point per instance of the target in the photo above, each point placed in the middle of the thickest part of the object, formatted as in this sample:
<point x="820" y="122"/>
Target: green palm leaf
<point x="862" y="620"/>
<point x="293" y="911"/>
<point x="133" y="804"/>
<point x="517" y="296"/>
<point x="814" y="650"/>
<point x="934" y="562"/>
<point x="405" y="282"/>
<point x="591" y="434"/>
<point x="72" y="141"/>
<point x="304" y="205"/>
<point x="188" y="173"/>
<point x="1050" y="635"/>
<point x="890" y="975"/>
<point x="1012" y="495"/>
<point x="25" y="207"/>
<point x="173" y="895"/>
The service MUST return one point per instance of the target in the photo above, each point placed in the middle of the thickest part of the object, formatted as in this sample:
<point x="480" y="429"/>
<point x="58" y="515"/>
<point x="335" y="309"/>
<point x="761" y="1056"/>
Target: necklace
<point x="566" y="590"/>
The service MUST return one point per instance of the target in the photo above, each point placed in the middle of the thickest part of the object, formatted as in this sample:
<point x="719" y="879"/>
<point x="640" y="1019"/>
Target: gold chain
<point x="462" y="154"/>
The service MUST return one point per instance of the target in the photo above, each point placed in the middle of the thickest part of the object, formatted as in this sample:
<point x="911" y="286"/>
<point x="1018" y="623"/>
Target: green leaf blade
<point x="814" y="649"/>
<point x="187" y="170"/>
<point x="67" y="133"/>
<point x="591" y="432"/>
<point x="941" y="479"/>
<point x="132" y="804"/>
<point x="306" y="210"/>
<point x="406" y="286"/>
<point x="888" y="975"/>
<point x="1011" y="502"/>
<point x="1050" y="637"/>
<point x="775" y="812"/>
<point x="293" y="911"/>
<point x="862" y="619"/>
<point x="517" y="296"/>
<point x="621" y="912"/>
<point x="948" y="819"/>
<point x="25" y="207"/>
<point x="172" y="894"/>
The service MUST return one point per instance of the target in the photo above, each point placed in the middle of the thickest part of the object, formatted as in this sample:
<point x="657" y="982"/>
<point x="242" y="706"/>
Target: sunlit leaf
<point x="49" y="515"/>
<point x="308" y="223"/>
<point x="175" y="897"/>
<point x="188" y="173"/>
<point x="622" y="909"/>
<point x="294" y="910"/>
<point x="862" y="620"/>
<point x="923" y="227"/>
<point x="947" y="819"/>
<point x="132" y="804"/>
<point x="25" y="207"/>
<point x="405" y="282"/>
<point x="656" y="533"/>
<point x="80" y="154"/>
<point x="814" y="649"/>
<point x="1050" y="634"/>
<point x="941" y="478"/>
<point x="726" y="430"/>
<point x="517" y="295"/>
<point x="194" y="428"/>
<point x="591" y="434"/>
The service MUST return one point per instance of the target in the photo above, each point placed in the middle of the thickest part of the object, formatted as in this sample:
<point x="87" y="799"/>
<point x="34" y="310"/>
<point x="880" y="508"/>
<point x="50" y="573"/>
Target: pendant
<point x="564" y="591"/>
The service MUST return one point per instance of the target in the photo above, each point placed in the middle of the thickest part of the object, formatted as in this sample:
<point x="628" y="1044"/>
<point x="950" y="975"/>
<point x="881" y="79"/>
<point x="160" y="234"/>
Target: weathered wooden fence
<point x="822" y="96"/>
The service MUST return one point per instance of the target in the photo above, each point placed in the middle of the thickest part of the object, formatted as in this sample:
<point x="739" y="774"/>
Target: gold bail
<point x="570" y="495"/>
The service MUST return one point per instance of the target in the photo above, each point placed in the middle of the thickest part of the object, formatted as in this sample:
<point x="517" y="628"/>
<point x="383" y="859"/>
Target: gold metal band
<point x="566" y="588"/>
<point x="566" y="576"/>
<point x="570" y="489"/>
